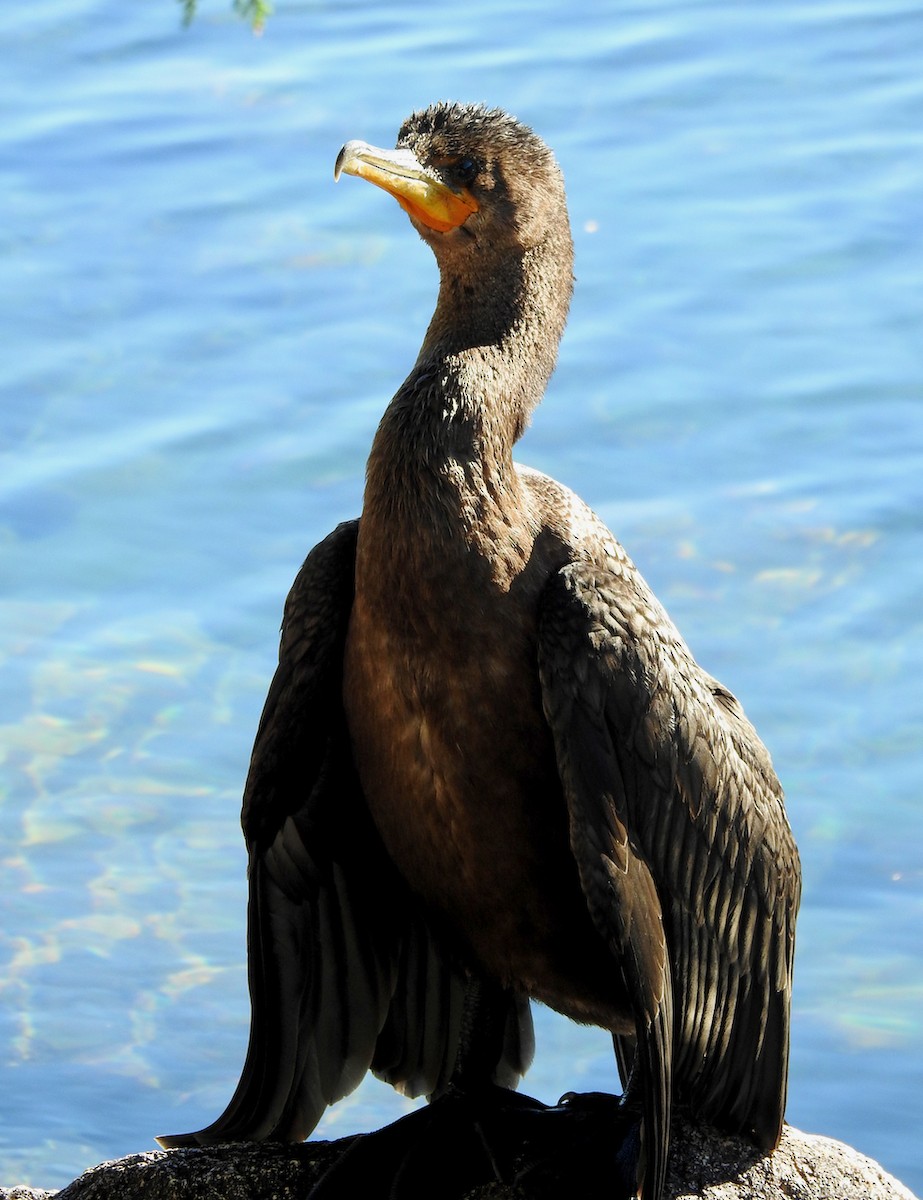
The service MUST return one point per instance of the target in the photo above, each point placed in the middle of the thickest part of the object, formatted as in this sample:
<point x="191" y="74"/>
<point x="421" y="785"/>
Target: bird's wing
<point x="344" y="972"/>
<point x="680" y="835"/>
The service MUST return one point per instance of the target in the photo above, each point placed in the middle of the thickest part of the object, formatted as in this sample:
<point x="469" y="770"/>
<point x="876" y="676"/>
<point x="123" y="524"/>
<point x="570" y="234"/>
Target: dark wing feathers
<point x="429" y="1008"/>
<point x="344" y="972"/>
<point x="426" y="1014"/>
<point x="599" y="781"/>
<point x="688" y="820"/>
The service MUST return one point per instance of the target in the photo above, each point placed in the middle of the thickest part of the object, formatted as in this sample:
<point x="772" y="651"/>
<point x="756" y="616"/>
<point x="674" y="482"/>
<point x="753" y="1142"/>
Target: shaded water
<point x="200" y="334"/>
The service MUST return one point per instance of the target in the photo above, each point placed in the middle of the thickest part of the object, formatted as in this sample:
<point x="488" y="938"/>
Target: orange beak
<point x="428" y="199"/>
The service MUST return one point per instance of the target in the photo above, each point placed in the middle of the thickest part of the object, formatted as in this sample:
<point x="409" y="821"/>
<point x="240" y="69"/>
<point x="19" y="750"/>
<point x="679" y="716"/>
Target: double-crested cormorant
<point x="488" y="768"/>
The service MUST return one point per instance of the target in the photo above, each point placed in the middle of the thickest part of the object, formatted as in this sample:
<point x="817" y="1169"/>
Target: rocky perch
<point x="704" y="1166"/>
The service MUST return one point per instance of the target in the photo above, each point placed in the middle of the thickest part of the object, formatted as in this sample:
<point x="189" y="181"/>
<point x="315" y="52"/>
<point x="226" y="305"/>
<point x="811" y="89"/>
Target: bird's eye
<point x="465" y="171"/>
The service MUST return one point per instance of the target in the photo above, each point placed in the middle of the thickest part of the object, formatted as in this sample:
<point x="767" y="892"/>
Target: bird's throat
<point x="441" y="485"/>
<point x="442" y="492"/>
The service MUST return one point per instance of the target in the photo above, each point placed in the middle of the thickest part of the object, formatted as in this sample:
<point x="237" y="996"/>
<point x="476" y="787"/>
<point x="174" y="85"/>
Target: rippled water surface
<point x="200" y="333"/>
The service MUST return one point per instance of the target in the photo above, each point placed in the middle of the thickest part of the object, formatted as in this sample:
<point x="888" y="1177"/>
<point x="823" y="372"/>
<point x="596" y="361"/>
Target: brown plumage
<point x="487" y="756"/>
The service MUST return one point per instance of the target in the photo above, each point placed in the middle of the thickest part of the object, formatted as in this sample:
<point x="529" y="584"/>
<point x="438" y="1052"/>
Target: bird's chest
<point x="457" y="765"/>
<point x="444" y="708"/>
<point x="456" y="760"/>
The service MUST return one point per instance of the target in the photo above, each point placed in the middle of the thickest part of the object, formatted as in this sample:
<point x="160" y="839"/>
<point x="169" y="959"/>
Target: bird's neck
<point x="441" y="468"/>
<point x="495" y="331"/>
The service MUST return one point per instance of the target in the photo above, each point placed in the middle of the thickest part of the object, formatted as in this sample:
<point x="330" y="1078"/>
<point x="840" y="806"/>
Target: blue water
<point x="200" y="332"/>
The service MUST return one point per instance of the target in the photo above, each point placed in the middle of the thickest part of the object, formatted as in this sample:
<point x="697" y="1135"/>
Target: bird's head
<point x="469" y="177"/>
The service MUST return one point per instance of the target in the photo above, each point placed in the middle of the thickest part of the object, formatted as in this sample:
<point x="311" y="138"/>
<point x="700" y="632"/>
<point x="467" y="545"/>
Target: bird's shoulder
<point x="302" y="711"/>
<point x="559" y="511"/>
<point x="610" y="651"/>
<point x="319" y="600"/>
<point x="671" y="791"/>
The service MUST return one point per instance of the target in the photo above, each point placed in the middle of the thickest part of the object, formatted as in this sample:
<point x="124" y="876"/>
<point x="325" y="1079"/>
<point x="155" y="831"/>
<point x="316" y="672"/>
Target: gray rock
<point x="708" y="1166"/>
<point x="704" y="1166"/>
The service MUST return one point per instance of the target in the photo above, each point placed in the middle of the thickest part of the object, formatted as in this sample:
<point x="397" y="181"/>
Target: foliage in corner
<point x="254" y="11"/>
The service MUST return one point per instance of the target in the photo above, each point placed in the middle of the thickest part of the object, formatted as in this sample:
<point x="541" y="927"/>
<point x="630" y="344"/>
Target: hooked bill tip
<point x="347" y="152"/>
